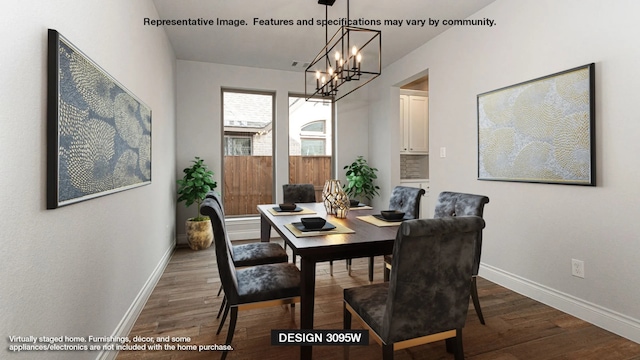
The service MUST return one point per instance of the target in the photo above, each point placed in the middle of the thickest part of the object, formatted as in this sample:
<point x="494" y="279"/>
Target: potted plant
<point x="360" y="178"/>
<point x="193" y="188"/>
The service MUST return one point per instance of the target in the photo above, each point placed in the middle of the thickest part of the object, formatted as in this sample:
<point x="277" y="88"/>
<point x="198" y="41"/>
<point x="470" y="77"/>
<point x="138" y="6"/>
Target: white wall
<point x="199" y="122"/>
<point x="534" y="230"/>
<point x="77" y="270"/>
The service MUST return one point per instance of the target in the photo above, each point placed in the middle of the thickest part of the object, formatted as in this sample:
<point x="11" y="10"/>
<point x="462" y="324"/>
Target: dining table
<point x="356" y="239"/>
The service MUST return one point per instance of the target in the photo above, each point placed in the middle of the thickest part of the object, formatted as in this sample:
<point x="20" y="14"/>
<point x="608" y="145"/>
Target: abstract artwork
<point x="98" y="133"/>
<point x="540" y="131"/>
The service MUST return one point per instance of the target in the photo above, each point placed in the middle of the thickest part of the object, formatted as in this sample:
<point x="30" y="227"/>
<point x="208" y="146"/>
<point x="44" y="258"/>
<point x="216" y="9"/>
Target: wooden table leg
<point x="265" y="229"/>
<point x="307" y="289"/>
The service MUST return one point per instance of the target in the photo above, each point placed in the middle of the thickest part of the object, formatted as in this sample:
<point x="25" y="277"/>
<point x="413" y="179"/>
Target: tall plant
<point x="360" y="177"/>
<point x="194" y="186"/>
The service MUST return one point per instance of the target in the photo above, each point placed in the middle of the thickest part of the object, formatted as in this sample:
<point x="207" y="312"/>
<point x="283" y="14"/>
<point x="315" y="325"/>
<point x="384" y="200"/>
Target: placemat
<point x="363" y="207"/>
<point x="340" y="229"/>
<point x="377" y="222"/>
<point x="304" y="211"/>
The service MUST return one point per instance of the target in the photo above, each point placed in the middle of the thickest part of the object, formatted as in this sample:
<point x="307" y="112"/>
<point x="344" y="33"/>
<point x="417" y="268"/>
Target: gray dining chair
<point x="251" y="254"/>
<point x="403" y="198"/>
<point x="459" y="204"/>
<point x="298" y="193"/>
<point x="250" y="287"/>
<point x="427" y="296"/>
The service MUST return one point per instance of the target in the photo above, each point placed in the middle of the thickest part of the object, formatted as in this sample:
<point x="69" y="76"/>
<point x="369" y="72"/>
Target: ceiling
<point x="278" y="46"/>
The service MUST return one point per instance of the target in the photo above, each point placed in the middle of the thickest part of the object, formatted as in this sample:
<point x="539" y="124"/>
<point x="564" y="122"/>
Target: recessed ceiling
<point x="259" y="43"/>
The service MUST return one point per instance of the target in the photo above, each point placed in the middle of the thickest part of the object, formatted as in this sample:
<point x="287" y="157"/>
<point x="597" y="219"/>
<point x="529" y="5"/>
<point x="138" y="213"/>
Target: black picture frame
<point x="98" y="132"/>
<point x="540" y="131"/>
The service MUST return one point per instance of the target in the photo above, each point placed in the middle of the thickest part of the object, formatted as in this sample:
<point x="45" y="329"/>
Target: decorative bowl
<point x="354" y="203"/>
<point x="287" y="206"/>
<point x="313" y="222"/>
<point x="392" y="214"/>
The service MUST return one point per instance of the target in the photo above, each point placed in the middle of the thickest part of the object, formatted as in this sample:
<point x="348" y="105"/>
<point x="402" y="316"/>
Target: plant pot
<point x="199" y="234"/>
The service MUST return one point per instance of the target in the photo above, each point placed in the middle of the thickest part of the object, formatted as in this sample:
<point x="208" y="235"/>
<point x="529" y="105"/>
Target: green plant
<point x="195" y="185"/>
<point x="360" y="178"/>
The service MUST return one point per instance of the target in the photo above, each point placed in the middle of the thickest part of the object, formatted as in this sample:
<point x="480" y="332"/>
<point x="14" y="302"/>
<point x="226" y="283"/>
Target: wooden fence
<point x="248" y="180"/>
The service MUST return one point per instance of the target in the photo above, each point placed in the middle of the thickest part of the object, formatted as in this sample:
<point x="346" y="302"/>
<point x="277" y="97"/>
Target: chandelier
<point x="348" y="61"/>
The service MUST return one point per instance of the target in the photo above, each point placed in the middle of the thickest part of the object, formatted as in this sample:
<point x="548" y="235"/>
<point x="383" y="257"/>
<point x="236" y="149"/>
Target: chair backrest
<point x="460" y="204"/>
<point x="298" y="193"/>
<point x="406" y="199"/>
<point x="214" y="195"/>
<point x="429" y="286"/>
<point x="211" y="208"/>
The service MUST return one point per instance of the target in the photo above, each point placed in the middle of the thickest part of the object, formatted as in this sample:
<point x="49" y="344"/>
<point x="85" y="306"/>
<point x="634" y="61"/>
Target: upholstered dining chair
<point x="427" y="296"/>
<point x="251" y="254"/>
<point x="298" y="193"/>
<point x="250" y="287"/>
<point x="405" y="199"/>
<point x="459" y="204"/>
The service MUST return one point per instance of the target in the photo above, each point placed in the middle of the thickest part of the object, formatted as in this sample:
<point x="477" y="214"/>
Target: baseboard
<point x="130" y="317"/>
<point x="597" y="315"/>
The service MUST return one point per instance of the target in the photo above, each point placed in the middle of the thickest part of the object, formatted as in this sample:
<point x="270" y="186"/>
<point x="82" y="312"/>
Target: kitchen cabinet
<point x="414" y="122"/>
<point x="425" y="210"/>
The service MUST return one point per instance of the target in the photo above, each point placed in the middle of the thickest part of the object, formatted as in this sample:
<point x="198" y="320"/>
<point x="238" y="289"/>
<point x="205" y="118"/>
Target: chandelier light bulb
<point x="337" y="55"/>
<point x="354" y="50"/>
<point x="359" y="57"/>
<point x="317" y="74"/>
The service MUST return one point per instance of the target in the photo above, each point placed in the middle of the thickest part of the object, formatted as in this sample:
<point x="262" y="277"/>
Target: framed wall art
<point x="541" y="131"/>
<point x="98" y="133"/>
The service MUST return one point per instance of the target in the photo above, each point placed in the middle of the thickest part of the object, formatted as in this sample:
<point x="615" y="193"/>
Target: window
<point x="314" y="127"/>
<point x="310" y="142"/>
<point x="248" y="151"/>
<point x="313" y="139"/>
<point x="237" y="145"/>
<point x="312" y="147"/>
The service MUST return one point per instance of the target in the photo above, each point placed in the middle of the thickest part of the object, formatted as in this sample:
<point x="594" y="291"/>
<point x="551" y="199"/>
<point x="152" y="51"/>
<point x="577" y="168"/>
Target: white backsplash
<point x="414" y="166"/>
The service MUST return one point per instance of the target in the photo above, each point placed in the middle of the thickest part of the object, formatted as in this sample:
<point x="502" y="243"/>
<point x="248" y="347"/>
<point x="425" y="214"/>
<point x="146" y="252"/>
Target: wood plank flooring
<point x="184" y="304"/>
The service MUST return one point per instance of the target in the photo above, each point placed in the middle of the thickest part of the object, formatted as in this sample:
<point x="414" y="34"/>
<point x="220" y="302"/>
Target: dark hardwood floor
<point x="184" y="304"/>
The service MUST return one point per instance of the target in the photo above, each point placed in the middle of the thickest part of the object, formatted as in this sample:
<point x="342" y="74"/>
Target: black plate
<point x="359" y="205"/>
<point x="327" y="226"/>
<point x="378" y="216"/>
<point x="277" y="209"/>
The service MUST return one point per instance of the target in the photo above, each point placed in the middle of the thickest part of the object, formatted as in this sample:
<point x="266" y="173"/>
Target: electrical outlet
<point x="577" y="268"/>
<point x="443" y="152"/>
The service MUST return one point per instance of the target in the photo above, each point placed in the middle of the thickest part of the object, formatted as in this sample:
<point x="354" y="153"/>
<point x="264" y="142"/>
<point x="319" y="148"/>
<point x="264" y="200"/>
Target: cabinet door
<point x="418" y="133"/>
<point x="404" y="123"/>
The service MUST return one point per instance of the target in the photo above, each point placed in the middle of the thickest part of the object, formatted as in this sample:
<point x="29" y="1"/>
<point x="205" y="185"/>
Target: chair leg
<point x="346" y="324"/>
<point x="331" y="267"/>
<point x="387" y="352"/>
<point x="370" y="269"/>
<point x="387" y="273"/>
<point x="224" y="317"/>
<point x="224" y="302"/>
<point x="294" y="256"/>
<point x="220" y="290"/>
<point x="454" y="345"/>
<point x="232" y="329"/>
<point x="349" y="266"/>
<point x="476" y="301"/>
<point x="459" y="355"/>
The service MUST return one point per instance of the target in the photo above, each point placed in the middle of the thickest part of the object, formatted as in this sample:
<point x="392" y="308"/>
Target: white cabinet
<point x="414" y="123"/>
<point x="425" y="209"/>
